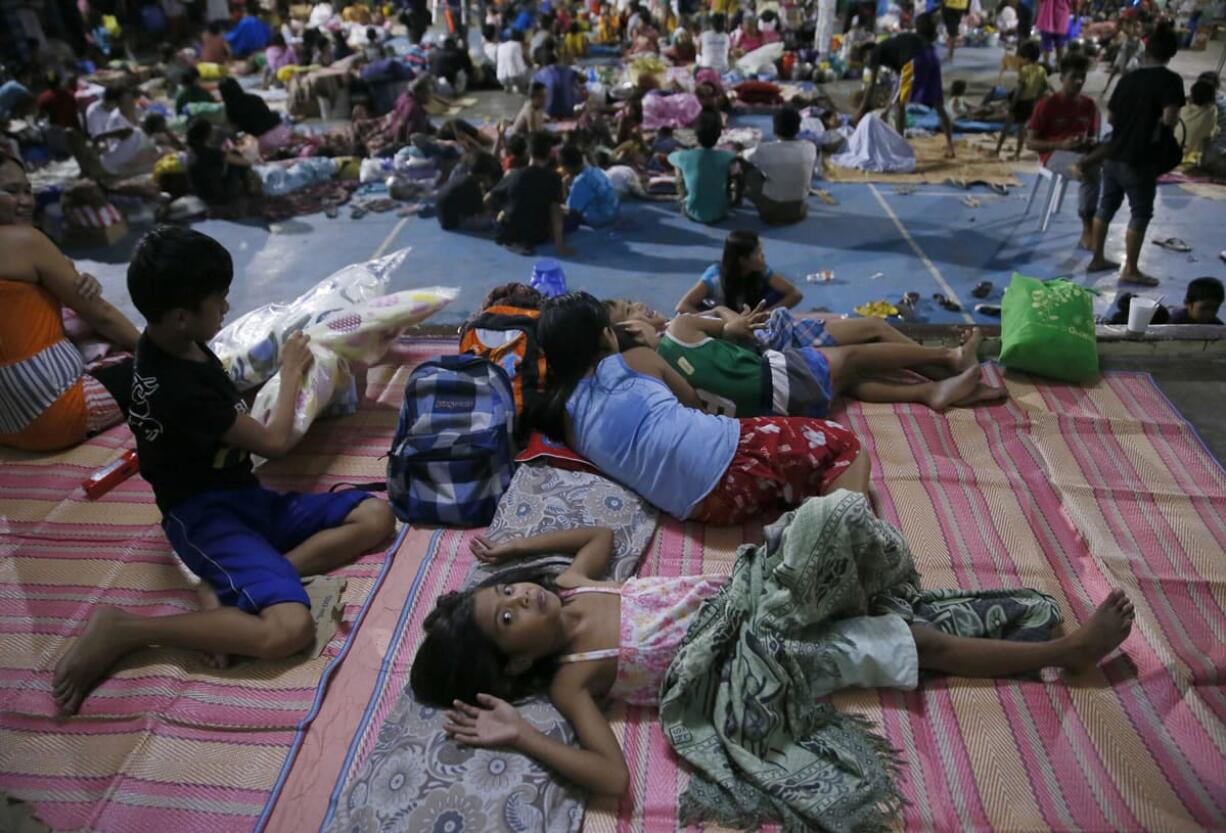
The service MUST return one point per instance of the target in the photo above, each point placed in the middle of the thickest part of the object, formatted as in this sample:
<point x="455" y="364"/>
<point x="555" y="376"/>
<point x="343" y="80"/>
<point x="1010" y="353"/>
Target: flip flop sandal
<point x="331" y="212"/>
<point x="957" y="183"/>
<point x="1003" y="190"/>
<point x="1174" y="244"/>
<point x="970" y="202"/>
<point x="911" y="298"/>
<point x="990" y="310"/>
<point x="357" y="212"/>
<point x="946" y="303"/>
<point x="982" y="289"/>
<point x="1144" y="280"/>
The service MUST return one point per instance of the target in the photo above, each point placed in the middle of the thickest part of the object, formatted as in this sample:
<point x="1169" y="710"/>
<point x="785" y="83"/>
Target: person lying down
<point x="731" y="676"/>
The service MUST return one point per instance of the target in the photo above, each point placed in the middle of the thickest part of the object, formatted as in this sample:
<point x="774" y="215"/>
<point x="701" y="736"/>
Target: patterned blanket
<point x="738" y="701"/>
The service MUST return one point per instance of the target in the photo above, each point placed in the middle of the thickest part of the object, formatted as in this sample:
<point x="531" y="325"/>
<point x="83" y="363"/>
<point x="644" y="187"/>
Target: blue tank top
<point x="634" y="429"/>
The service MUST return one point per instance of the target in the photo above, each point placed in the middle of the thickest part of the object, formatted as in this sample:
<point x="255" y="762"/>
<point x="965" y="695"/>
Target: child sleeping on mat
<point x="650" y="641"/>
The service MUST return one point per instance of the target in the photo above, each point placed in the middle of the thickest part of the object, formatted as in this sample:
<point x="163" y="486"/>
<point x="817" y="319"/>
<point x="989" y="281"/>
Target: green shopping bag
<point x="1047" y="328"/>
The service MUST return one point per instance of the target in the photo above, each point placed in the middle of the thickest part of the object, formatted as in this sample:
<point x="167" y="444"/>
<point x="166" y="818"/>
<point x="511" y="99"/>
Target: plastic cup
<point x="1140" y="311"/>
<point x="548" y="278"/>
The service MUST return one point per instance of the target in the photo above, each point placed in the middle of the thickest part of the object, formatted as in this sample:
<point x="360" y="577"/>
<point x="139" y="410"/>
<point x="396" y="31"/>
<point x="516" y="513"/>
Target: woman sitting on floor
<point x="50" y="398"/>
<point x="250" y="114"/>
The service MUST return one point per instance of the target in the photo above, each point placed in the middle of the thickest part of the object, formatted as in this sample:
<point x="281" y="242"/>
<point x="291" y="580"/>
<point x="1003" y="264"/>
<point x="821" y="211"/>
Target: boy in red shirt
<point x="1062" y="129"/>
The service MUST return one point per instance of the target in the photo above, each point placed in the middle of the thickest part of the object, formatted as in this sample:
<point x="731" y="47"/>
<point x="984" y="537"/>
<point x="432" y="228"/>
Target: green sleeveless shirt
<point x="730" y="380"/>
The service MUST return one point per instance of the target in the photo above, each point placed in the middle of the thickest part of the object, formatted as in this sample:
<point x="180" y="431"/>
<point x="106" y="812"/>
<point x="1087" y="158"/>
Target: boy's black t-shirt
<point x="1137" y="105"/>
<point x="896" y="51"/>
<point x="180" y="409"/>
<point x="457" y="201"/>
<point x="530" y="193"/>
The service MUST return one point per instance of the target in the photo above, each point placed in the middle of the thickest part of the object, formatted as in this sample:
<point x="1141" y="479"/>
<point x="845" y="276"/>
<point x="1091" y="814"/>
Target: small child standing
<point x="1201" y="303"/>
<point x="1031" y="86"/>
<point x="592" y="198"/>
<point x="250" y="545"/>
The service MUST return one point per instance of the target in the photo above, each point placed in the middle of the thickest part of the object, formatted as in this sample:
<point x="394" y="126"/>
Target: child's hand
<point x="295" y="356"/>
<point x="87" y="286"/>
<point x="742" y="326"/>
<point x="488" y="553"/>
<point x="497" y="723"/>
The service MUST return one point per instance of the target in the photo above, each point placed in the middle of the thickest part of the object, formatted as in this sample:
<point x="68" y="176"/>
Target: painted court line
<point x="932" y="267"/>
<point x="391" y="236"/>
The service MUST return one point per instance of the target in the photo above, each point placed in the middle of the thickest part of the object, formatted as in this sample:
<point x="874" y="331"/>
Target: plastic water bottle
<point x="548" y="278"/>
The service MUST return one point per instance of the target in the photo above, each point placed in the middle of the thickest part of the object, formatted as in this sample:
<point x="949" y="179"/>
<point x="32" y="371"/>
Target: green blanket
<point x="736" y="702"/>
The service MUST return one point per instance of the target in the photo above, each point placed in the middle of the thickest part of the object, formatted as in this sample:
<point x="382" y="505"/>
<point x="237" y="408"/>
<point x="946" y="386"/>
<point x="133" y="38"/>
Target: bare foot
<point x="97" y="648"/>
<point x="983" y="393"/>
<point x="1086" y="242"/>
<point x="209" y="601"/>
<point x="948" y="391"/>
<point x="1103" y="265"/>
<point x="968" y="353"/>
<point x="1138" y="278"/>
<point x="1102" y="634"/>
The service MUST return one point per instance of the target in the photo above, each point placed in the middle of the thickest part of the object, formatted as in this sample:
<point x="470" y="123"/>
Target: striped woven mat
<point x="165" y="744"/>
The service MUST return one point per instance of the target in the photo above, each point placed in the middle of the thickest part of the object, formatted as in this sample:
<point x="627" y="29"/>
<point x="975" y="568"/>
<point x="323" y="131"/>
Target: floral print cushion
<point x="419" y="781"/>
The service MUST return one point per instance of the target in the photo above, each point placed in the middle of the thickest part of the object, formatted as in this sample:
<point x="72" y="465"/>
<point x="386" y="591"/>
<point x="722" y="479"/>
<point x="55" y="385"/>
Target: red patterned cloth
<point x="779" y="462"/>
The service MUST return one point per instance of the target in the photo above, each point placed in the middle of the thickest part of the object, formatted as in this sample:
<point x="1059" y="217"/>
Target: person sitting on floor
<point x="713" y="45"/>
<point x="250" y="114"/>
<point x="642" y="424"/>
<point x="125" y="149"/>
<point x="1201" y="303"/>
<point x="1030" y="90"/>
<point x="532" y="116"/>
<point x="584" y="641"/>
<point x="251" y="34"/>
<point x="706" y="183"/>
<point x="277" y="56"/>
<point x="530" y="202"/>
<point x="249" y="545"/>
<point x="563" y="86"/>
<point x="220" y="177"/>
<point x="682" y="52"/>
<point x="512" y="70"/>
<point x="1200" y="121"/>
<point x="53" y="398"/>
<point x="1062" y="129"/>
<point x="778" y="181"/>
<point x="453" y="64"/>
<point x="591" y="198"/>
<point x="190" y="91"/>
<point x="460" y="204"/>
<point x="913" y="57"/>
<point x="741" y="279"/>
<point x="58" y="103"/>
<point x="213" y="46"/>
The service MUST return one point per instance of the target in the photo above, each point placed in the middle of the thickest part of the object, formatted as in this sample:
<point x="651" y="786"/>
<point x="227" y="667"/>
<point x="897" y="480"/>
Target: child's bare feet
<point x="97" y="648"/>
<point x="983" y="393"/>
<point x="209" y="601"/>
<point x="1103" y="265"/>
<point x="1087" y="241"/>
<point x="1102" y="634"/>
<point x="945" y="393"/>
<point x="968" y="354"/>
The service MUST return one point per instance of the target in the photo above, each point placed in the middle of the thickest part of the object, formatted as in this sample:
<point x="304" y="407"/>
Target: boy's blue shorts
<point x="235" y="539"/>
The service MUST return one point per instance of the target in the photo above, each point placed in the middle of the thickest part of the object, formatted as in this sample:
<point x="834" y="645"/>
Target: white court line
<point x="391" y="236"/>
<point x="932" y="267"/>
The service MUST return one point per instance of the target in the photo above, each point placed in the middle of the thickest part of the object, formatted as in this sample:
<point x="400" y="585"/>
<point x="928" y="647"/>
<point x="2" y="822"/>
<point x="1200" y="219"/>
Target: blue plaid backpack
<point x="452" y="456"/>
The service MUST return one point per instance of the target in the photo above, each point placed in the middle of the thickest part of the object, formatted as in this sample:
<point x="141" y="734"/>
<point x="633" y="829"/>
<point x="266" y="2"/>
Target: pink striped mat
<point x="1070" y="490"/>
<point x="166" y="744"/>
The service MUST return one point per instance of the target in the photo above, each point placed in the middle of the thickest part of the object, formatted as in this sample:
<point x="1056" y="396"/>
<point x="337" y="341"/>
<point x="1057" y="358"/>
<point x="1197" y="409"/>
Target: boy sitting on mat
<point x="250" y="545"/>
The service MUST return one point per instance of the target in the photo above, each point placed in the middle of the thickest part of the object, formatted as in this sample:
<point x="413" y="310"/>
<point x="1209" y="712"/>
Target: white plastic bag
<point x="250" y="346"/>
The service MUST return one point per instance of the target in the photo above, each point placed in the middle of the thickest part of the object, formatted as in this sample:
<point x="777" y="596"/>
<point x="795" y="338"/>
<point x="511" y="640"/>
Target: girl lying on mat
<point x="641" y="423"/>
<point x="737" y="663"/>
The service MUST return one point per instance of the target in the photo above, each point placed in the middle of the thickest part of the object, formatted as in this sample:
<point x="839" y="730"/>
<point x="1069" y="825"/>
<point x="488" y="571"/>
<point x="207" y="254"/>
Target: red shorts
<point x="779" y="462"/>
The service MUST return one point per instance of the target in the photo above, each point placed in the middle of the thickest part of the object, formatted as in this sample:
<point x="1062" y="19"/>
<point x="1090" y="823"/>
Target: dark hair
<point x="926" y="27"/>
<point x="1163" y="42"/>
<point x="787" y="122"/>
<point x="517" y="145"/>
<point x="483" y="165"/>
<point x="1211" y="78"/>
<point x="513" y="295"/>
<point x="540" y="145"/>
<point x="569" y="332"/>
<point x="627" y="339"/>
<point x="199" y="130"/>
<point x="1204" y="289"/>
<point x="740" y="289"/>
<point x="111" y="95"/>
<point x="1076" y="64"/>
<point x="176" y="268"/>
<point x="277" y="39"/>
<point x="958" y="87"/>
<point x="708" y="127"/>
<point x="1030" y="51"/>
<point x="1202" y="93"/>
<point x="537" y="87"/>
<point x="571" y="158"/>
<point x="153" y="123"/>
<point x="190" y="75"/>
<point x="718" y="22"/>
<point x="216" y="27"/>
<point x="457" y="661"/>
<point x="517" y="35"/>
